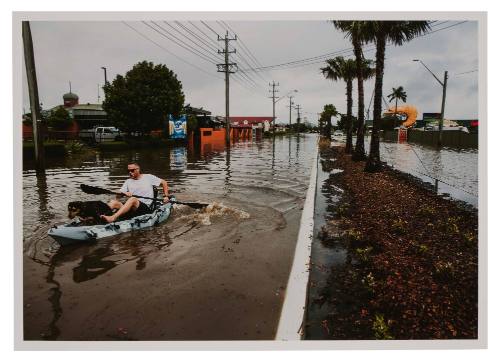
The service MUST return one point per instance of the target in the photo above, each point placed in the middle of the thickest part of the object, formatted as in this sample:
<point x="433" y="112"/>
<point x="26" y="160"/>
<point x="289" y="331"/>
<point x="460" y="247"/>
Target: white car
<point x="338" y="133"/>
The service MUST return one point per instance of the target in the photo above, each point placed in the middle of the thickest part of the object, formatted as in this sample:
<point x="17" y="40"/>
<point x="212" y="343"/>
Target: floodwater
<point x="452" y="172"/>
<point x="214" y="274"/>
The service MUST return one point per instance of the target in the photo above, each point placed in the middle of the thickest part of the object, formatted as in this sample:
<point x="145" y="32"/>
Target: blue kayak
<point x="73" y="232"/>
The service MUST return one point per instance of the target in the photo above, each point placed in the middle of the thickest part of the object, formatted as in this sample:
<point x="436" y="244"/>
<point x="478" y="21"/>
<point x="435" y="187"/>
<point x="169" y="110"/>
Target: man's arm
<point x="164" y="185"/>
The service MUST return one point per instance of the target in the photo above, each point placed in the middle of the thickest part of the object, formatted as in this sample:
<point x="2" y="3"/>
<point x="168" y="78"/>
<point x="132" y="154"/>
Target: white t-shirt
<point x="142" y="186"/>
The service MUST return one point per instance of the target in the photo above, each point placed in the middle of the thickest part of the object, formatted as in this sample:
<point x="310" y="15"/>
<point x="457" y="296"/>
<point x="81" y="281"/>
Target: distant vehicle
<point x="338" y="133"/>
<point x="447" y="128"/>
<point x="100" y="134"/>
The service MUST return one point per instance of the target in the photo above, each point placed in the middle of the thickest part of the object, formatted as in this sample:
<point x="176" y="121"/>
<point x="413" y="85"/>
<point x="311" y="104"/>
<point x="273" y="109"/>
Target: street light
<point x="443" y="84"/>
<point x="105" y="76"/>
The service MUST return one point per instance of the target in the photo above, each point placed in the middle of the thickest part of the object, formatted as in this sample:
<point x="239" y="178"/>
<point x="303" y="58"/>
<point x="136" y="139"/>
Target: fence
<point x="451" y="138"/>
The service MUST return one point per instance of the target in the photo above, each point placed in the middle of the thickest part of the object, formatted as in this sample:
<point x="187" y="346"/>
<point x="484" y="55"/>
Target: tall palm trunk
<point x="359" y="152"/>
<point x="373" y="163"/>
<point x="348" y="143"/>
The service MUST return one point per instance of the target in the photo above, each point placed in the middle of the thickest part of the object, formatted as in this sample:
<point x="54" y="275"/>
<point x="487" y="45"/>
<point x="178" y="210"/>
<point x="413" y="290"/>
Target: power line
<point x="212" y="48"/>
<point x="169" y="52"/>
<point x="458" y="74"/>
<point x="205" y="34"/>
<point x="196" y="43"/>
<point x="242" y="76"/>
<point x="209" y="27"/>
<point x="323" y="57"/>
<point x="181" y="43"/>
<point x="250" y="54"/>
<point x="244" y="60"/>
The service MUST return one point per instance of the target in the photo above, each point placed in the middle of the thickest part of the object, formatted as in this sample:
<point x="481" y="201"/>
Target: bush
<point x="74" y="147"/>
<point x="380" y="328"/>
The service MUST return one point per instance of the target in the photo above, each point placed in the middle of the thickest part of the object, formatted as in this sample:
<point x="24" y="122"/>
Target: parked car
<point x="338" y="133"/>
<point x="100" y="134"/>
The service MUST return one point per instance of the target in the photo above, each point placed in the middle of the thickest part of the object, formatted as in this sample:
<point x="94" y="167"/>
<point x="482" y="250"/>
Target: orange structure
<point x="408" y="113"/>
<point x="212" y="139"/>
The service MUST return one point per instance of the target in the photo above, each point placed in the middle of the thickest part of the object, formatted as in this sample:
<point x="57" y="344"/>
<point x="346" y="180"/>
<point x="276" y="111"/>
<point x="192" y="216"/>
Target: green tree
<point x="343" y="122"/>
<point x="383" y="32"/>
<point x="397" y="94"/>
<point x="141" y="101"/>
<point x="340" y="69"/>
<point x="326" y="117"/>
<point x="59" y="119"/>
<point x="355" y="31"/>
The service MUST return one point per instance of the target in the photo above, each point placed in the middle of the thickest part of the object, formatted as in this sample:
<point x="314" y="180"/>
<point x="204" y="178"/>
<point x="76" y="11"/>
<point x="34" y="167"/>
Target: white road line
<point x="292" y="313"/>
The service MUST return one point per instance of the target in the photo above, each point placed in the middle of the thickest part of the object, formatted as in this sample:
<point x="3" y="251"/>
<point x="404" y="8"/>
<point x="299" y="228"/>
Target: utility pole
<point x="298" y="116"/>
<point x="98" y="96"/>
<point x="227" y="68"/>
<point x="29" y="60"/>
<point x="290" y="107"/>
<point x="443" y="84"/>
<point x="440" y="141"/>
<point x="274" y="90"/>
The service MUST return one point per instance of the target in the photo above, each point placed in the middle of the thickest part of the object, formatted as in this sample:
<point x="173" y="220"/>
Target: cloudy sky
<point x="76" y="50"/>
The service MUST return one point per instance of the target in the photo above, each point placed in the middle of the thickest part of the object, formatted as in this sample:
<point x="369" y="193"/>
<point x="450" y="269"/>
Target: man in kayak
<point x="140" y="185"/>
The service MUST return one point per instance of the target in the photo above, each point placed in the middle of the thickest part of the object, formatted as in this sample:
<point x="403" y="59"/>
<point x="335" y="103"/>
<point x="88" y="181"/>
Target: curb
<point x="292" y="313"/>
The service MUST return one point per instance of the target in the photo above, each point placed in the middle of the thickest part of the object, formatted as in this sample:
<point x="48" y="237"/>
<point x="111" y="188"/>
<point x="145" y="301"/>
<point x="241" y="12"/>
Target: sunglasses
<point x="131" y="170"/>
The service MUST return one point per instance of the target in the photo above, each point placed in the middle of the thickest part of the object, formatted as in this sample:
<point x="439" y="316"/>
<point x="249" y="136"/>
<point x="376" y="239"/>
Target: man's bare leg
<point x="131" y="204"/>
<point x="115" y="204"/>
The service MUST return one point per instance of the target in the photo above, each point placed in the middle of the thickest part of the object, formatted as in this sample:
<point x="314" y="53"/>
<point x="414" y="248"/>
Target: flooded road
<point x="215" y="274"/>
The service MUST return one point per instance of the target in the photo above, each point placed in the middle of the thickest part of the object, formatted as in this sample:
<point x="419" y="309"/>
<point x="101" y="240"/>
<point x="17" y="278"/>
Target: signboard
<point x="177" y="127"/>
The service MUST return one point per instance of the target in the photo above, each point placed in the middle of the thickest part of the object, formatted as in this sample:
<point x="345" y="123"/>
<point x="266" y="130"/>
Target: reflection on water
<point x="261" y="181"/>
<point x="453" y="172"/>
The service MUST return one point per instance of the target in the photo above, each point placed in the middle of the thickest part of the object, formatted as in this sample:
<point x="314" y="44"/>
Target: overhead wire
<point x="198" y="54"/>
<point x="242" y="59"/>
<point x="247" y="51"/>
<point x="236" y="55"/>
<point x="187" y="48"/>
<point x="321" y="58"/>
<point x="169" y="52"/>
<point x="183" y="44"/>
<point x="459" y="74"/>
<point x="244" y="77"/>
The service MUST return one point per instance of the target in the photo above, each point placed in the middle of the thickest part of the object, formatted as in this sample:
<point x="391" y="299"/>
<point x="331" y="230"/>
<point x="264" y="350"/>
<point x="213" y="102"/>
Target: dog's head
<point x="74" y="209"/>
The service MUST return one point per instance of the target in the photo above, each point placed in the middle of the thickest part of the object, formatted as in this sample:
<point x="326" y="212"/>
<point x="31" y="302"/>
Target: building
<point x="84" y="116"/>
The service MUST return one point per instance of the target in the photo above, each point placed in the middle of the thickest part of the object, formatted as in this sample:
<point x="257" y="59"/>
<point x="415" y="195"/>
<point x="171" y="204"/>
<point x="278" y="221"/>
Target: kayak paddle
<point x="96" y="190"/>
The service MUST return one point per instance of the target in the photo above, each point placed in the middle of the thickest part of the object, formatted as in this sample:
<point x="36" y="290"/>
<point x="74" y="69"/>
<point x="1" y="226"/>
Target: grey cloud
<point x="75" y="51"/>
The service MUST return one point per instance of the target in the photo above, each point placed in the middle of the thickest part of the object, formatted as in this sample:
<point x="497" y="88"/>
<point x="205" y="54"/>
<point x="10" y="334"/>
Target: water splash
<point x="215" y="209"/>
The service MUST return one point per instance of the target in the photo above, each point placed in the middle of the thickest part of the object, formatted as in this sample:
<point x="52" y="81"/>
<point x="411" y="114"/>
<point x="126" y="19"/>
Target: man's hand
<point x="165" y="199"/>
<point x="128" y="194"/>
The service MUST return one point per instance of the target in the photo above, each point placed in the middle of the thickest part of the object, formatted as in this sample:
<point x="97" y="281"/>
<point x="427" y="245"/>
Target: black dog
<point x="89" y="212"/>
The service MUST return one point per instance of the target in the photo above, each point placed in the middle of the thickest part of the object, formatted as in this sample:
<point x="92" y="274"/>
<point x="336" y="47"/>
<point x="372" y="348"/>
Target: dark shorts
<point x="142" y="209"/>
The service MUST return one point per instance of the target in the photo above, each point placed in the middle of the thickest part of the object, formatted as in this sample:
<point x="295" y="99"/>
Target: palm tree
<point x="338" y="69"/>
<point x="355" y="31"/>
<point x="397" y="94"/>
<point x="382" y="32"/>
<point x="326" y="116"/>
